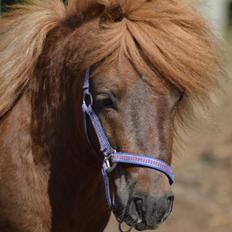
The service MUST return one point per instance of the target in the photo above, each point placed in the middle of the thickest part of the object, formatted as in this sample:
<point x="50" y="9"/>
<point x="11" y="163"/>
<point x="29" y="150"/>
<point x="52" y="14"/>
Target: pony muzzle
<point x="145" y="212"/>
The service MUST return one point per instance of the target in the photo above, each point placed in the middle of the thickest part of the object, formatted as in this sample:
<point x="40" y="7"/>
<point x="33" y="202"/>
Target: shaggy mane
<point x="22" y="35"/>
<point x="164" y="38"/>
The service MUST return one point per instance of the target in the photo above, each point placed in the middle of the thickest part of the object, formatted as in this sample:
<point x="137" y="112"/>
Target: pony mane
<point x="22" y="35"/>
<point x="161" y="38"/>
<point x="164" y="38"/>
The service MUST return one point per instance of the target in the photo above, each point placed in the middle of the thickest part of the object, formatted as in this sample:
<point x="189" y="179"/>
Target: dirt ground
<point x="203" y="188"/>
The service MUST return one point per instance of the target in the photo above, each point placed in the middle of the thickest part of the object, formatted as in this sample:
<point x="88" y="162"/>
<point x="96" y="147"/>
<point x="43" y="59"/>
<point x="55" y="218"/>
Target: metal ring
<point x="87" y="94"/>
<point x="121" y="230"/>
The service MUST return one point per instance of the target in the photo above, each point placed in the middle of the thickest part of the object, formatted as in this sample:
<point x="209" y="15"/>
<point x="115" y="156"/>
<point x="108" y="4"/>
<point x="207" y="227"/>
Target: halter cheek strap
<point x="112" y="157"/>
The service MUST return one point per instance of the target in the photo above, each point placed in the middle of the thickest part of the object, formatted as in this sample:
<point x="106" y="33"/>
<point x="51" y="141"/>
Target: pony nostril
<point x="170" y="200"/>
<point x="139" y="208"/>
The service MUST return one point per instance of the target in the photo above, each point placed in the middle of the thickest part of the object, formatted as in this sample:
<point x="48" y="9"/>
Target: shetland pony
<point x="150" y="61"/>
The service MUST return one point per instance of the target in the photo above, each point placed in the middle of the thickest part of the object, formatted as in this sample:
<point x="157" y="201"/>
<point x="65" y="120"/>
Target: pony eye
<point x="104" y="103"/>
<point x="107" y="103"/>
<point x="180" y="97"/>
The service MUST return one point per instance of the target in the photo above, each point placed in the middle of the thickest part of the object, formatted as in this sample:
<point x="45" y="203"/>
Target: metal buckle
<point x="110" y="166"/>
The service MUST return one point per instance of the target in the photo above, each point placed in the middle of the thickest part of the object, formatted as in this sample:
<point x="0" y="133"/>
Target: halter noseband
<point x="111" y="156"/>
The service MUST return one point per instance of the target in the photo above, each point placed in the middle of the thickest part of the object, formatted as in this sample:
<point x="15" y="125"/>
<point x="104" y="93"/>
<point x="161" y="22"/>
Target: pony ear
<point x="79" y="6"/>
<point x="113" y="14"/>
<point x="75" y="6"/>
<point x="71" y="5"/>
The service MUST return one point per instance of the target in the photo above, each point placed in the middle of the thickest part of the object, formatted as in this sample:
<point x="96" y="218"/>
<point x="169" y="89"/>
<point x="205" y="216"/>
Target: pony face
<point x="137" y="118"/>
<point x="141" y="53"/>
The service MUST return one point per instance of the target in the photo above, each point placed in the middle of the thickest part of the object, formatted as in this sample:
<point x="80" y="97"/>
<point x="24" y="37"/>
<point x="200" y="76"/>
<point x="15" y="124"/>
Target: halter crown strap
<point x="110" y="155"/>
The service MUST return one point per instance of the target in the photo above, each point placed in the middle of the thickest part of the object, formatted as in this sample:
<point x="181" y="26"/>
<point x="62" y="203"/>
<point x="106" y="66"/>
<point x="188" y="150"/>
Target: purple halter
<point x="111" y="156"/>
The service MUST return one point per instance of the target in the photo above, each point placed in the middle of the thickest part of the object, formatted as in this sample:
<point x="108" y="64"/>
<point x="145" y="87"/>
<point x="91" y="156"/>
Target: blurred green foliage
<point x="6" y="2"/>
<point x="10" y="2"/>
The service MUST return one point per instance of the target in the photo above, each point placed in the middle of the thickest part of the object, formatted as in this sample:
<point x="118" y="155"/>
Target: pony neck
<point x="75" y="179"/>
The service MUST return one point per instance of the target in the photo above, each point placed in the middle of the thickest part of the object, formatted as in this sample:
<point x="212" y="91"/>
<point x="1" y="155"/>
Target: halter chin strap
<point x="111" y="156"/>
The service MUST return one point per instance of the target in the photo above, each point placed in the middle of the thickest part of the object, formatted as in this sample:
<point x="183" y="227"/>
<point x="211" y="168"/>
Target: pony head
<point x="150" y="60"/>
